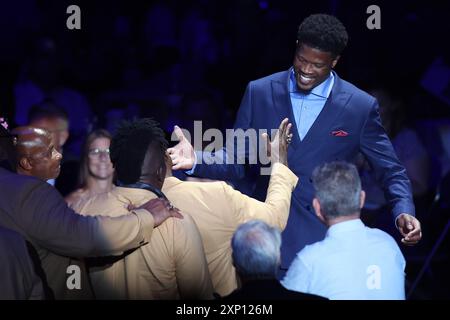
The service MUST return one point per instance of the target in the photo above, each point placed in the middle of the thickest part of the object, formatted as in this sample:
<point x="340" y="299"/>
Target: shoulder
<point x="313" y="251"/>
<point x="12" y="181"/>
<point x="104" y="204"/>
<point x="30" y="191"/>
<point x="181" y="230"/>
<point x="281" y="76"/>
<point x="349" y="87"/>
<point x="75" y="196"/>
<point x="359" y="96"/>
<point x="200" y="189"/>
<point x="312" y="255"/>
<point x="382" y="237"/>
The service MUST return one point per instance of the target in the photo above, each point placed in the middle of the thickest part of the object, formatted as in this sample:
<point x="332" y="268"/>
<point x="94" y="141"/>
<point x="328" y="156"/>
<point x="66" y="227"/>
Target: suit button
<point x="308" y="207"/>
<point x="310" y="180"/>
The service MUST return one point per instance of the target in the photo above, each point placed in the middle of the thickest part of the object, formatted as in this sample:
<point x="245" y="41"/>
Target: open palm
<point x="182" y="154"/>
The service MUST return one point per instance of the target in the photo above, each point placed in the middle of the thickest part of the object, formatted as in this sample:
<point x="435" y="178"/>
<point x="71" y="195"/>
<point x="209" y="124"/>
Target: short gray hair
<point x="338" y="188"/>
<point x="256" y="250"/>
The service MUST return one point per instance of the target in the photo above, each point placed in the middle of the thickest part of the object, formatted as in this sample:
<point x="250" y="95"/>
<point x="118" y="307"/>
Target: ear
<point x="362" y="199"/>
<point x="335" y="61"/>
<point x="25" y="164"/>
<point x="317" y="209"/>
<point x="168" y="160"/>
<point x="161" y="172"/>
<point x="64" y="135"/>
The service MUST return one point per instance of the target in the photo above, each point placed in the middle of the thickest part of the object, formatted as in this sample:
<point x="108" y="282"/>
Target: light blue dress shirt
<point x="306" y="107"/>
<point x="352" y="262"/>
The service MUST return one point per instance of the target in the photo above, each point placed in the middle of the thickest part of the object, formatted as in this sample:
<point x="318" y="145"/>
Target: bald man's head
<point x="36" y="153"/>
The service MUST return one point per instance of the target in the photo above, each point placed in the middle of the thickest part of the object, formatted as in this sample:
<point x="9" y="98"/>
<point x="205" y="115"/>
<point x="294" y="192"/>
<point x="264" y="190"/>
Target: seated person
<point x="218" y="209"/>
<point x="256" y="256"/>
<point x="173" y="264"/>
<point x="353" y="261"/>
<point x="96" y="170"/>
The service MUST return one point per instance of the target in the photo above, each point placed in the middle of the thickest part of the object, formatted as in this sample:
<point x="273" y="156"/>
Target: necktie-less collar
<point x="145" y="186"/>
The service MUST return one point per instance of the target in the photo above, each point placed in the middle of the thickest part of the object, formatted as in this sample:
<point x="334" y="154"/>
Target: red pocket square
<point x="339" y="133"/>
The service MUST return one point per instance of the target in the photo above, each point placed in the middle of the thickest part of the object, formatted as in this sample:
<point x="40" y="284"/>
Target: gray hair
<point x="256" y="250"/>
<point x="338" y="188"/>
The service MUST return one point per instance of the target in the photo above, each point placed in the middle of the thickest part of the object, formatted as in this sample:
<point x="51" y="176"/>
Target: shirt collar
<point x="322" y="90"/>
<point x="345" y="226"/>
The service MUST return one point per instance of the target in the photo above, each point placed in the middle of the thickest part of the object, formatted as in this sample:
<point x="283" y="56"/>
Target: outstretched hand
<point x="278" y="147"/>
<point x="182" y="154"/>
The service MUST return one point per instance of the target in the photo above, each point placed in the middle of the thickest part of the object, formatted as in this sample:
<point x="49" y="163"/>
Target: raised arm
<point x="275" y="209"/>
<point x="223" y="164"/>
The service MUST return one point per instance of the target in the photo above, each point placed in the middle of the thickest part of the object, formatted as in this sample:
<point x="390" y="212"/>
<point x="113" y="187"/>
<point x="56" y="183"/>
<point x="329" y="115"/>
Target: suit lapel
<point x="332" y="109"/>
<point x="283" y="106"/>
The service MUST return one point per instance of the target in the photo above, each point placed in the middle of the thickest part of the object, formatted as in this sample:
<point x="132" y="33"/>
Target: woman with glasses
<point x="96" y="170"/>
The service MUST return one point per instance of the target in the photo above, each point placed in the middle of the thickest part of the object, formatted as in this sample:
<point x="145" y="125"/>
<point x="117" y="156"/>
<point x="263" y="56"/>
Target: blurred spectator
<point x="411" y="153"/>
<point x="41" y="79"/>
<point x="407" y="144"/>
<point x="96" y="170"/>
<point x="51" y="117"/>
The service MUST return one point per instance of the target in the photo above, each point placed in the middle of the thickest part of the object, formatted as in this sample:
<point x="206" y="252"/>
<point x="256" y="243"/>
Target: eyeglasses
<point x="96" y="153"/>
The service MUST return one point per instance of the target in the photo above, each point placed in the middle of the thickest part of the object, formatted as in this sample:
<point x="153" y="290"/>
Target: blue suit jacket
<point x="266" y="102"/>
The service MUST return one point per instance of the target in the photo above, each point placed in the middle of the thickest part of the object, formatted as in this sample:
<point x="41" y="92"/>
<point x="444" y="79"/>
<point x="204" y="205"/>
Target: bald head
<point x="29" y="138"/>
<point x="36" y="154"/>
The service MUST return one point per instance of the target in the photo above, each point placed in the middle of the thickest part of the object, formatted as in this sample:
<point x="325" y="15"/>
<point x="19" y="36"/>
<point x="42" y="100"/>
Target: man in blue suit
<point x="334" y="120"/>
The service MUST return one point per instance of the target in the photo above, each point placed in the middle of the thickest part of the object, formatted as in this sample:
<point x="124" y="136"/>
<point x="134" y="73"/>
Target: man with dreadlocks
<point x="173" y="265"/>
<point x="334" y="120"/>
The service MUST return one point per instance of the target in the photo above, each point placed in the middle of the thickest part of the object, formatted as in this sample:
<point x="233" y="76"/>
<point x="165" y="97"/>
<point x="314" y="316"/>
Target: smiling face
<point x="312" y="66"/>
<point x="99" y="162"/>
